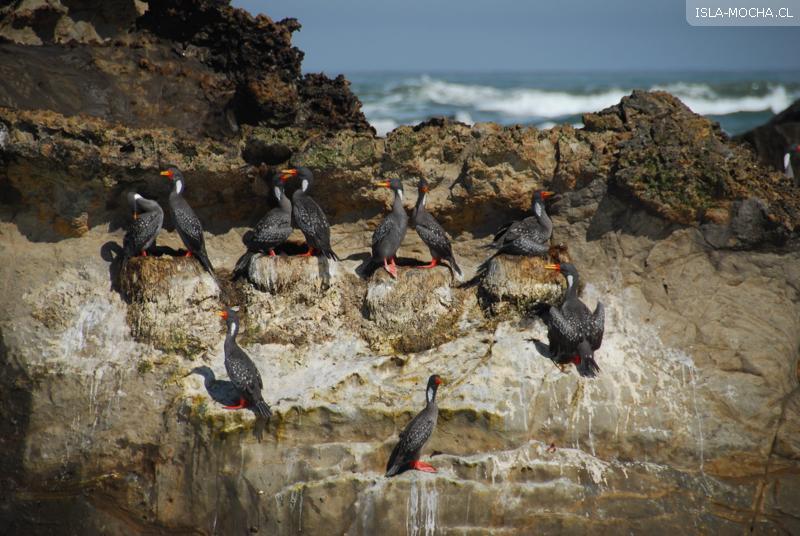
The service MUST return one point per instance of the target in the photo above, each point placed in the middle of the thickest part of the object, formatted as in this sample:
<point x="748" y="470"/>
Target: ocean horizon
<point x="738" y="100"/>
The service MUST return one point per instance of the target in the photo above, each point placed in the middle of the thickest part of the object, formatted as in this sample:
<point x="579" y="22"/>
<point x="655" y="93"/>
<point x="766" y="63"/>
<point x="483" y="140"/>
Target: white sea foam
<point x="415" y="99"/>
<point x="384" y="126"/>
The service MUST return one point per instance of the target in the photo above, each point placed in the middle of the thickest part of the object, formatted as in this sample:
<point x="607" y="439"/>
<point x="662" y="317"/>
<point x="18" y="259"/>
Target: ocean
<point x="738" y="101"/>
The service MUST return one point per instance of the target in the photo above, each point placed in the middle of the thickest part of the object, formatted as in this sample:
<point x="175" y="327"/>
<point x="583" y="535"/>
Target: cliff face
<point x="199" y="66"/>
<point x="113" y="381"/>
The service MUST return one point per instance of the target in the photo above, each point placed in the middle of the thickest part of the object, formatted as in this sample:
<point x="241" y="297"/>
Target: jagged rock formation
<point x="772" y="139"/>
<point x="109" y="424"/>
<point x="199" y="66"/>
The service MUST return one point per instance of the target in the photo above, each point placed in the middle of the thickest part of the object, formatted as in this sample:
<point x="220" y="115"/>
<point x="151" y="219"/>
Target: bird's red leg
<point x="271" y="252"/>
<point x="242" y="404"/>
<point x="391" y="267"/>
<point x="144" y="253"/>
<point x="432" y="264"/>
<point x="188" y="254"/>
<point x="309" y="253"/>
<point x="422" y="466"/>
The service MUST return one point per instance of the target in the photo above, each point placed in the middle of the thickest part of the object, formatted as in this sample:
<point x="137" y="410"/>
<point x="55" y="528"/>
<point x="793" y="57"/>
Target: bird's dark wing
<point x="272" y="230"/>
<point x="434" y="236"/>
<point x="243" y="373"/>
<point x="141" y="232"/>
<point x="564" y="335"/>
<point x="597" y="326"/>
<point x="384" y="229"/>
<point x="311" y="220"/>
<point x="412" y="439"/>
<point x="187" y="223"/>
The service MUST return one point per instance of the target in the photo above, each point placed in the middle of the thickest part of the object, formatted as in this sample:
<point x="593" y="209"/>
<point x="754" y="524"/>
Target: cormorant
<point x="308" y="216"/>
<point x="241" y="370"/>
<point x="390" y="232"/>
<point x="431" y="232"/>
<point x="574" y="333"/>
<point x="270" y="232"/>
<point x="143" y="230"/>
<point x="407" y="451"/>
<point x="529" y="237"/>
<point x="186" y="221"/>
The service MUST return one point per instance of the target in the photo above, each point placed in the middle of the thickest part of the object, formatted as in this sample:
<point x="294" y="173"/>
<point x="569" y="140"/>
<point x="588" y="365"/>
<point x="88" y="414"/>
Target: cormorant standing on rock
<point x="431" y="232"/>
<point x="270" y="232"/>
<point x="142" y="232"/>
<point x="574" y="333"/>
<point x="390" y="232"/>
<point x="407" y="451"/>
<point x="529" y="237"/>
<point x="241" y="370"/>
<point x="186" y="221"/>
<point x="308" y="216"/>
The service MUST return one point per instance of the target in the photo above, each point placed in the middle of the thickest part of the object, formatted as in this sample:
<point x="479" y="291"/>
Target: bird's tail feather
<point x="454" y="266"/>
<point x="330" y="254"/>
<point x="588" y="367"/>
<point x="243" y="265"/>
<point x="262" y="408"/>
<point x="202" y="256"/>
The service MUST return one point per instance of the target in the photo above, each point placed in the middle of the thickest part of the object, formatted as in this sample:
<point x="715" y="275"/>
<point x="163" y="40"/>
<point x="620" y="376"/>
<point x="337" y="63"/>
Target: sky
<point x="522" y="35"/>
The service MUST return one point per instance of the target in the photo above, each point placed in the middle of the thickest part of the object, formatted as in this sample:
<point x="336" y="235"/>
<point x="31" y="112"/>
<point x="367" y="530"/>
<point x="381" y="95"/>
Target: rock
<point x="111" y="418"/>
<point x="521" y="282"/>
<point x="771" y="140"/>
<point x="172" y="303"/>
<point x="417" y="311"/>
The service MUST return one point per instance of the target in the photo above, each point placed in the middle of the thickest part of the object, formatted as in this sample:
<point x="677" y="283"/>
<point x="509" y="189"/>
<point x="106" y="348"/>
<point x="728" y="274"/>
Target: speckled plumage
<point x="142" y="232"/>
<point x="310" y="219"/>
<point x="416" y="433"/>
<point x="187" y="223"/>
<point x="530" y="236"/>
<point x="241" y="370"/>
<point x="430" y="231"/>
<point x="270" y="232"/>
<point x="573" y="330"/>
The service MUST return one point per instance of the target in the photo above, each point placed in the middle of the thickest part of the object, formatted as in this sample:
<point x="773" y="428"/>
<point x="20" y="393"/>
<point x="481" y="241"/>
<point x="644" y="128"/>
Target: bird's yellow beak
<point x="223" y="314"/>
<point x="545" y="195"/>
<point x="556" y="267"/>
<point x="382" y="184"/>
<point x="168" y="173"/>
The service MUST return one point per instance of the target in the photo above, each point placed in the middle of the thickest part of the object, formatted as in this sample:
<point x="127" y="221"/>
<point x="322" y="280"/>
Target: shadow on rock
<point x="225" y="393"/>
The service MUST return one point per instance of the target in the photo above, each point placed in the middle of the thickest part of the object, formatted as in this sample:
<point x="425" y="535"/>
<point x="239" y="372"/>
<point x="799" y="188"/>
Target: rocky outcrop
<point x="113" y="382"/>
<point x="199" y="66"/>
<point x="772" y="140"/>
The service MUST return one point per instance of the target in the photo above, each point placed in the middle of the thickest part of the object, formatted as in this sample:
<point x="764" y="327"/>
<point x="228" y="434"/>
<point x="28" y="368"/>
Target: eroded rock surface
<point x="111" y="425"/>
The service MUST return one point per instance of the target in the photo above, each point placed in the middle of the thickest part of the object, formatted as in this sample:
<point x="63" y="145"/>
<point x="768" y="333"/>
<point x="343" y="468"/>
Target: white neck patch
<point x="304" y="185"/>
<point x="179" y="186"/>
<point x="277" y="193"/>
<point x="424" y="199"/>
<point x="430" y="394"/>
<point x="137" y="197"/>
<point x="232" y="327"/>
<point x="538" y="209"/>
<point x="570" y="280"/>
<point x="400" y="194"/>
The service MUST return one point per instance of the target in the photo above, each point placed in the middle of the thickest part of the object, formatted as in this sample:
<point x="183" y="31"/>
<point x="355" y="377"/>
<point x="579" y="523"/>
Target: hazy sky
<point x="350" y="35"/>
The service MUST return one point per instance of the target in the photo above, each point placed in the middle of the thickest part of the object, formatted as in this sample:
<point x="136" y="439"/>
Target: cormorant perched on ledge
<point x="574" y="333"/>
<point x="142" y="232"/>
<point x="270" y="232"/>
<point x="241" y="370"/>
<point x="391" y="230"/>
<point x="308" y="216"/>
<point x="529" y="237"/>
<point x="186" y="221"/>
<point x="407" y="451"/>
<point x="431" y="232"/>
